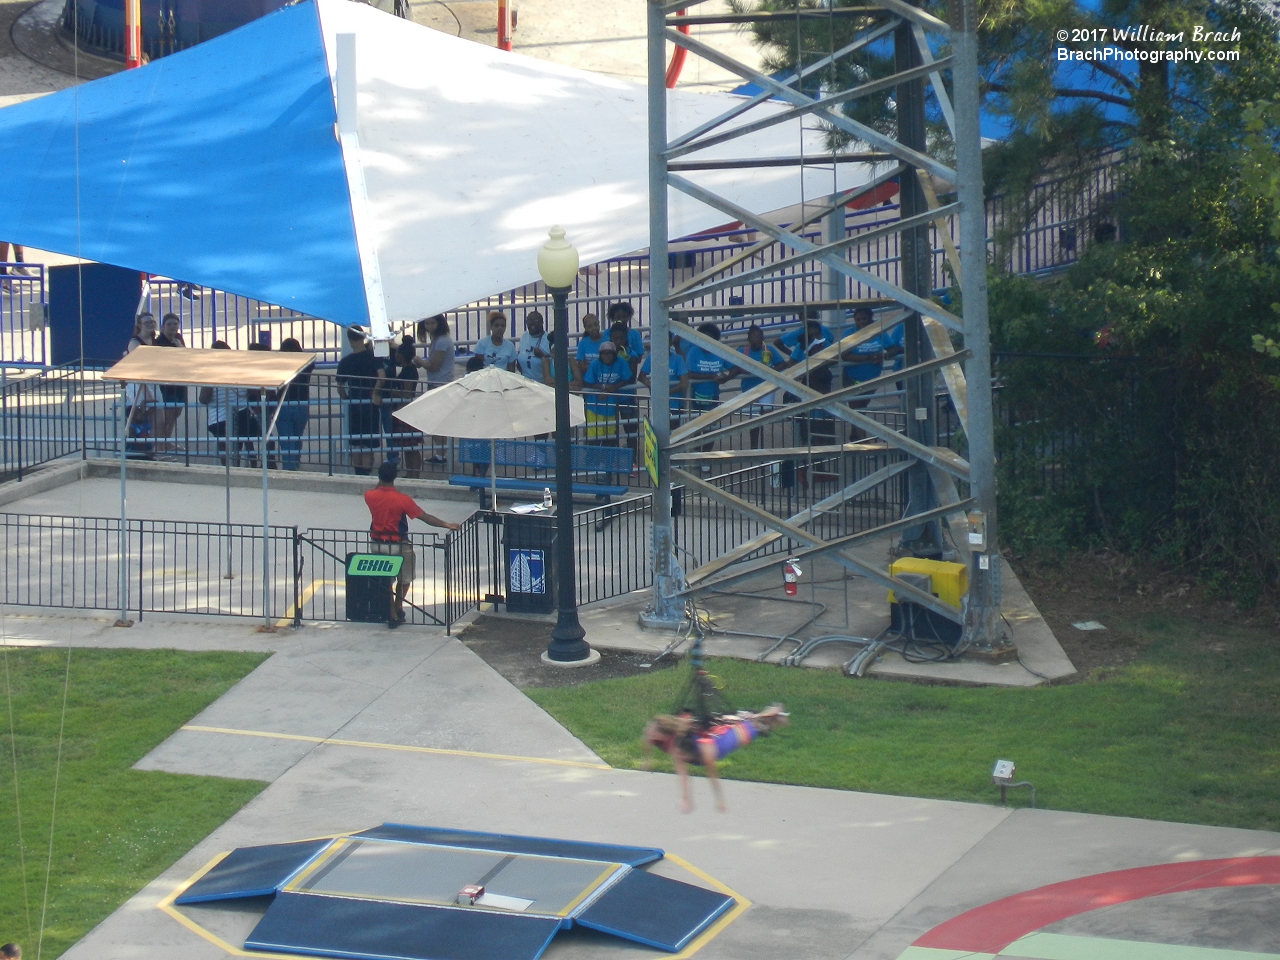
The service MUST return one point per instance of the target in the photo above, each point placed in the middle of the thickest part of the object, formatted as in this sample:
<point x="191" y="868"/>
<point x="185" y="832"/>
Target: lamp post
<point x="558" y="266"/>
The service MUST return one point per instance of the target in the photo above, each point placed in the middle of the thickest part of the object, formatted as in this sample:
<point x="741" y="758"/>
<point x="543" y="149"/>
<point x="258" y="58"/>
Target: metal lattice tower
<point x="935" y="475"/>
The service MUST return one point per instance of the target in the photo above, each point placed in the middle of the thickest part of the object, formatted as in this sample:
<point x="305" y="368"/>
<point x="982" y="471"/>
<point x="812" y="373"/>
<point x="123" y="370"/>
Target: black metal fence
<point x="50" y="414"/>
<point x="162" y="566"/>
<point x="166" y="566"/>
<point x="45" y="415"/>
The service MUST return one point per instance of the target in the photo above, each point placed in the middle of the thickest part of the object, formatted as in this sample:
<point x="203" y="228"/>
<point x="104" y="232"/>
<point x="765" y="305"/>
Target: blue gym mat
<point x="252" y="871"/>
<point x="372" y="930"/>
<point x="403" y="892"/>
<point x="506" y="843"/>
<point x="655" y="911"/>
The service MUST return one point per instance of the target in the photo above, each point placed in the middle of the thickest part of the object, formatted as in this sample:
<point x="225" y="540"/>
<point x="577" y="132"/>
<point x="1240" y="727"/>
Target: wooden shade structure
<point x="228" y="369"/>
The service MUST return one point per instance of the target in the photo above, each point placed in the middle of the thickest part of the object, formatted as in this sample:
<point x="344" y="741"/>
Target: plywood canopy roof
<point x="220" y="368"/>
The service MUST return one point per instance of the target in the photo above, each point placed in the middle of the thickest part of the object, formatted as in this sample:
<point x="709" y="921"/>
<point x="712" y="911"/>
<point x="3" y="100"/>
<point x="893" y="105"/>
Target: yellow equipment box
<point x="950" y="580"/>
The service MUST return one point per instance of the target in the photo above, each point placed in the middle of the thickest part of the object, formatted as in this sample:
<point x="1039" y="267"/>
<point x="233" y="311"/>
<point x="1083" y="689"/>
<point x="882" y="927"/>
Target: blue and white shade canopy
<point x="355" y="166"/>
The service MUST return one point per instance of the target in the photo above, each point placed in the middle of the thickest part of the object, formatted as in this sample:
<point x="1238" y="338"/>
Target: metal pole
<point x="567" y="636"/>
<point x="228" y="426"/>
<point x="132" y="35"/>
<point x="123" y="545"/>
<point x="916" y="264"/>
<point x="666" y="610"/>
<point x="982" y="614"/>
<point x="266" y="544"/>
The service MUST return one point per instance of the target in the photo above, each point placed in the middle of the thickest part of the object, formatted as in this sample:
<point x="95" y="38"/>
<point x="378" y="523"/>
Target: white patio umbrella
<point x="490" y="404"/>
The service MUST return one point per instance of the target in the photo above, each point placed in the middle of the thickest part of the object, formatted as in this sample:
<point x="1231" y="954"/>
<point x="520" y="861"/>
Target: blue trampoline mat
<point x="506" y="843"/>
<point x="252" y="871"/>
<point x="655" y="911"/>
<point x="373" y="930"/>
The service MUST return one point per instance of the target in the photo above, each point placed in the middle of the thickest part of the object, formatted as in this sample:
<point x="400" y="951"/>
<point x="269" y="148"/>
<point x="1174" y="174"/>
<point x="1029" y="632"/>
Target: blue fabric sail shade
<point x="404" y="892"/>
<point x="218" y="166"/>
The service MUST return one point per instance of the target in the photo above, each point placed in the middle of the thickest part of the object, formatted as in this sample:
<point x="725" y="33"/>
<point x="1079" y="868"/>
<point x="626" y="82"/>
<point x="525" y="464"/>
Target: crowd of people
<point x="606" y="365"/>
<point x="609" y="361"/>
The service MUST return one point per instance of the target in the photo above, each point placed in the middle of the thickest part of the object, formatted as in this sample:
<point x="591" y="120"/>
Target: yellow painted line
<point x="440" y="751"/>
<point x="608" y="871"/>
<point x="742" y="903"/>
<point x="314" y="865"/>
<point x="307" y="594"/>
<point x="167" y="906"/>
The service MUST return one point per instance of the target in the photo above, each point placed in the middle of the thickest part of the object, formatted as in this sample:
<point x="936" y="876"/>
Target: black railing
<point x="322" y="559"/>
<point x="40" y="419"/>
<point x="611" y="549"/>
<point x="169" y="566"/>
<point x="50" y="414"/>
<point x="215" y="568"/>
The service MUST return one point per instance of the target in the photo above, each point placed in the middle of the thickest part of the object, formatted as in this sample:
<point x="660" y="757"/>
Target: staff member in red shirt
<point x="389" y="532"/>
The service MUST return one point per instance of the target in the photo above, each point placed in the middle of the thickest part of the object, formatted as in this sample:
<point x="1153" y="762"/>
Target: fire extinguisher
<point x="790" y="576"/>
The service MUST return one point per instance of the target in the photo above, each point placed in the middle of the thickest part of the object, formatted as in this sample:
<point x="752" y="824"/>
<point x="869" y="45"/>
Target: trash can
<point x="529" y="543"/>
<point x="370" y="579"/>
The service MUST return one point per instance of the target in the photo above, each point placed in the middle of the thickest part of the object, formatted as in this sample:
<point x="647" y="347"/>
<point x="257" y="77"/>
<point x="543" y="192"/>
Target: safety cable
<point x="17" y="801"/>
<point x="53" y="806"/>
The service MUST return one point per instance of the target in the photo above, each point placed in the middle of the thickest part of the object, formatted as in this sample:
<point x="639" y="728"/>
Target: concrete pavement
<point x="749" y="621"/>
<point x="354" y="726"/>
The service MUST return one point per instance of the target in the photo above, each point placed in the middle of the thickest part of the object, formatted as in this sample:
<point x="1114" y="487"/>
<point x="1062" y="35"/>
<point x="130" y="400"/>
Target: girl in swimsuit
<point x="689" y="743"/>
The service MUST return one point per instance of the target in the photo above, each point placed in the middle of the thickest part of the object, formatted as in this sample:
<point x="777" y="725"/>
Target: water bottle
<point x="546" y="498"/>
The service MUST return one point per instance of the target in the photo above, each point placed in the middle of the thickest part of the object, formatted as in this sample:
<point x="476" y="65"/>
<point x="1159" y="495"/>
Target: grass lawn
<point x="115" y="828"/>
<point x="1189" y="731"/>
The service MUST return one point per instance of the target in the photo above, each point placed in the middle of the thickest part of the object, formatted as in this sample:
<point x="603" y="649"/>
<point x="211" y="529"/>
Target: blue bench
<point x="540" y="455"/>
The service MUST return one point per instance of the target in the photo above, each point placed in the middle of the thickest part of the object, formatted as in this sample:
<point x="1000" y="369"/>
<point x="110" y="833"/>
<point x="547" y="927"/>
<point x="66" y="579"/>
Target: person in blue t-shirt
<point x="496" y="349"/>
<point x="756" y="349"/>
<point x="788" y="342"/>
<point x="624" y="313"/>
<point x="588" y="344"/>
<point x="866" y="361"/>
<point x="628" y="406"/>
<point x="706" y="371"/>
<point x="812" y="343"/>
<point x="604" y="377"/>
<point x="549" y="366"/>
<point x="677" y="378"/>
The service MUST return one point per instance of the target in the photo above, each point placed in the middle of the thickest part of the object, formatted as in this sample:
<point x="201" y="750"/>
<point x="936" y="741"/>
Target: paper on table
<point x="526" y="508"/>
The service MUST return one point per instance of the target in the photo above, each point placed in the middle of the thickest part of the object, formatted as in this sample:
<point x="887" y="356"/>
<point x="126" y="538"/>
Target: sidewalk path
<point x="355" y="726"/>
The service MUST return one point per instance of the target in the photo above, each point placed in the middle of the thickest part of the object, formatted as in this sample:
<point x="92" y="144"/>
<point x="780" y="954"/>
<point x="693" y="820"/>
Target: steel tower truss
<point x="935" y="475"/>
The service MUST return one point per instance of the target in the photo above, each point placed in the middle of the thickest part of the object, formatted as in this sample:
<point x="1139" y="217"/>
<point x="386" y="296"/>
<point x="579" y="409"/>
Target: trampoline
<point x="402" y="892"/>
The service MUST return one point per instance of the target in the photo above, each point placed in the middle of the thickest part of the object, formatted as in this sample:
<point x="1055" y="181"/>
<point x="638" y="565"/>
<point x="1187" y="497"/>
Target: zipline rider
<point x="391" y="511"/>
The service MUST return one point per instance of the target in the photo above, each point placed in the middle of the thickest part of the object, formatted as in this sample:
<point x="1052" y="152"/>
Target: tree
<point x="1059" y="113"/>
<point x="1164" y="435"/>
<point x="1260" y="162"/>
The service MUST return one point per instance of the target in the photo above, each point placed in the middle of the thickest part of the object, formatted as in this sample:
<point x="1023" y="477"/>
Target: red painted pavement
<point x="993" y="926"/>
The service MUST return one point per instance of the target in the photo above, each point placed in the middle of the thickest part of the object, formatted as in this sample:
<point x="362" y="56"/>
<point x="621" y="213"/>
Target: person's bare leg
<point x="682" y="771"/>
<point x="708" y="753"/>
<point x="397" y="605"/>
<point x="413" y="464"/>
